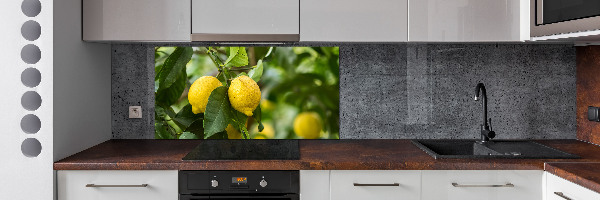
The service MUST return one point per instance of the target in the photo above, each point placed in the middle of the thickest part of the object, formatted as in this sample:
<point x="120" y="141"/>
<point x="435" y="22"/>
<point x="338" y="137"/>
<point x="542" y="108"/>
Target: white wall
<point x="82" y="84"/>
<point x="24" y="177"/>
<point x="75" y="92"/>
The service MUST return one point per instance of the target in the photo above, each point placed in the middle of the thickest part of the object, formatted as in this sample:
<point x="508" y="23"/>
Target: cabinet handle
<point x="505" y="185"/>
<point x="94" y="185"/>
<point x="367" y="184"/>
<point x="560" y="194"/>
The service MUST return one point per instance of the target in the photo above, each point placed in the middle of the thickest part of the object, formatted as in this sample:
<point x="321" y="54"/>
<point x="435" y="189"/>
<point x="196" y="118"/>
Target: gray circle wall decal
<point x="31" y="30"/>
<point x="31" y="77"/>
<point x="31" y="8"/>
<point x="31" y="147"/>
<point x="31" y="54"/>
<point x="31" y="100"/>
<point x="30" y="124"/>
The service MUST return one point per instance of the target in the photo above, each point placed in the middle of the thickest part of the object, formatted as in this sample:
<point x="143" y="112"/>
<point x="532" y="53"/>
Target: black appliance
<point x="234" y="185"/>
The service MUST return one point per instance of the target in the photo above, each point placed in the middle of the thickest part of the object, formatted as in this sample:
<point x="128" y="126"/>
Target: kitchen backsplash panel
<point x="408" y="90"/>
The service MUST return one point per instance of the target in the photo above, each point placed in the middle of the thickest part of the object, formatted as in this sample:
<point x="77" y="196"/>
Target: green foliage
<point x="218" y="112"/>
<point x="291" y="79"/>
<point x="174" y="66"/>
<point x="188" y="135"/>
<point x="237" y="57"/>
<point x="257" y="72"/>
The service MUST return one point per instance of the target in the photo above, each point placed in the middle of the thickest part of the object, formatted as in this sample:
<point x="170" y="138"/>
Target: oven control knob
<point x="214" y="183"/>
<point x="263" y="183"/>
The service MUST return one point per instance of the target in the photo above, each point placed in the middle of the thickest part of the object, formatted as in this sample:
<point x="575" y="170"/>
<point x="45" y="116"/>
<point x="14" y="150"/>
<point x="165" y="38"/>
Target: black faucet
<point x="486" y="129"/>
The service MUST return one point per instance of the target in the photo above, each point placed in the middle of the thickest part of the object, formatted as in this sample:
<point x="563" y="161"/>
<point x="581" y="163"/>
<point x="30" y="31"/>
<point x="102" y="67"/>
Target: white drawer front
<point x="476" y="184"/>
<point x="162" y="185"/>
<point x="567" y="188"/>
<point x="343" y="188"/>
<point x="314" y="184"/>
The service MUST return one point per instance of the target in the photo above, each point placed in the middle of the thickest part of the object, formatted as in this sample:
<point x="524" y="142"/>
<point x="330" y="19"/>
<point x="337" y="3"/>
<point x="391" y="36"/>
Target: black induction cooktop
<point x="245" y="150"/>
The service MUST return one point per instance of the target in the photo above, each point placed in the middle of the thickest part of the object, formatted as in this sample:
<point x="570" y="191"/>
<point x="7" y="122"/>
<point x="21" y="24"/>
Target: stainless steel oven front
<point x="554" y="17"/>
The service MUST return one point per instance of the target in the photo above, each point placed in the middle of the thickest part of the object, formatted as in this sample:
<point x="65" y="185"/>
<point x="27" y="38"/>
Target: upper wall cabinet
<point x="354" y="20"/>
<point x="136" y="20"/>
<point x="244" y="20"/>
<point x="468" y="20"/>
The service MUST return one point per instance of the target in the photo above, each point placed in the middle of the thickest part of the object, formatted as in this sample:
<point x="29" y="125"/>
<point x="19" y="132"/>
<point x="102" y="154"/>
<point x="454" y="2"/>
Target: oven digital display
<point x="239" y="180"/>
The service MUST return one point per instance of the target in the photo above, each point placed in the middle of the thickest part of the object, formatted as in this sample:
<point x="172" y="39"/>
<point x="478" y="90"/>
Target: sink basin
<point x="494" y="149"/>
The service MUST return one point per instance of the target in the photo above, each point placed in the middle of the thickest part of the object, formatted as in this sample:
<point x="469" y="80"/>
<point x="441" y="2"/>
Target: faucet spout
<point x="486" y="132"/>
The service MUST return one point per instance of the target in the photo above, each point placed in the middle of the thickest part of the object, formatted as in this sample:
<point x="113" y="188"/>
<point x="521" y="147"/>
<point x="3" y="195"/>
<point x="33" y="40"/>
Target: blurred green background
<point x="295" y="80"/>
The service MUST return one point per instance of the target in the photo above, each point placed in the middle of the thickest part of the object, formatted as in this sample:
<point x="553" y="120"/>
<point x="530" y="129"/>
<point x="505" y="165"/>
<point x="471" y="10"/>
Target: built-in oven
<point x="554" y="17"/>
<point x="234" y="185"/>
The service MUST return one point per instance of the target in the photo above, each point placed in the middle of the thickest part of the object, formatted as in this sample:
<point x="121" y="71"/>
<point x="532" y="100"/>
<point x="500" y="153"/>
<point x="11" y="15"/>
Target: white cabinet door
<point x="354" y="20"/>
<point x="117" y="185"/>
<point x="375" y="185"/>
<point x="314" y="184"/>
<point x="244" y="20"/>
<point x="468" y="20"/>
<point x="136" y="20"/>
<point x="482" y="184"/>
<point x="561" y="189"/>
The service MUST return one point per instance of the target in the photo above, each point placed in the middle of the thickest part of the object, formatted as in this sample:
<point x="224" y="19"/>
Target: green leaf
<point x="217" y="112"/>
<point x="174" y="66"/>
<point x="161" y="132"/>
<point x="257" y="115"/>
<point x="237" y="57"/>
<point x="220" y="135"/>
<point x="186" y="117"/>
<point x="270" y="51"/>
<point x="170" y="95"/>
<point x="196" y="128"/>
<point x="188" y="135"/>
<point x="238" y="120"/>
<point x="157" y="70"/>
<point x="257" y="72"/>
<point x="262" y="52"/>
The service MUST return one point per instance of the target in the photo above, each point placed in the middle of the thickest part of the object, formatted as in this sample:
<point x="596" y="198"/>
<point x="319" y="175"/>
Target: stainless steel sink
<point x="492" y="149"/>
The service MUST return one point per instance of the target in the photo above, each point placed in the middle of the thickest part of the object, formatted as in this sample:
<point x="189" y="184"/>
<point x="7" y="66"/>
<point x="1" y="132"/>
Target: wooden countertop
<point x="581" y="173"/>
<point x="314" y="155"/>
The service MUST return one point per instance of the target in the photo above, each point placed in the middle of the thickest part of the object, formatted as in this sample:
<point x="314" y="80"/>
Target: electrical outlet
<point x="135" y="112"/>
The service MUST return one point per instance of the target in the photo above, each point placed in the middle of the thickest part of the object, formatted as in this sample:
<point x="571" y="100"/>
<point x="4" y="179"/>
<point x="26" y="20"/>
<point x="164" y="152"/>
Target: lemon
<point x="244" y="95"/>
<point x="266" y="105"/>
<point x="200" y="91"/>
<point x="267" y="133"/>
<point x="308" y="125"/>
<point x="233" y="133"/>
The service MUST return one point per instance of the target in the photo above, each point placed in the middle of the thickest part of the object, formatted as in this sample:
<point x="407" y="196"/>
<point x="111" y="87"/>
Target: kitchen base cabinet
<point x="482" y="184"/>
<point x="117" y="185"/>
<point x="314" y="184"/>
<point x="375" y="185"/>
<point x="561" y="189"/>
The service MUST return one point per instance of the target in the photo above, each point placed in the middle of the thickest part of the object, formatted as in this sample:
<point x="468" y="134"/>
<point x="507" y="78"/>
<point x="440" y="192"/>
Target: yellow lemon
<point x="266" y="105"/>
<point x="233" y="133"/>
<point x="244" y="95"/>
<point x="308" y="125"/>
<point x="259" y="137"/>
<point x="200" y="91"/>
